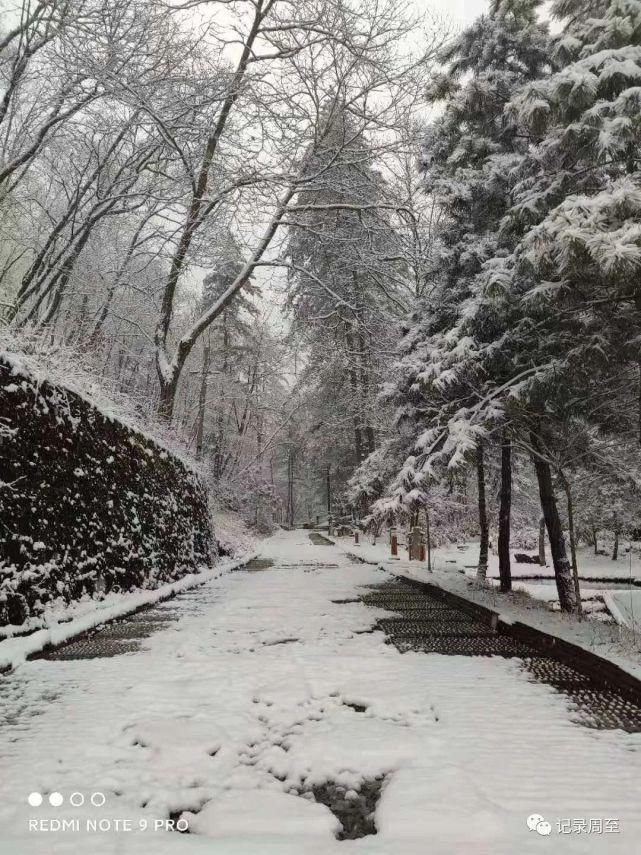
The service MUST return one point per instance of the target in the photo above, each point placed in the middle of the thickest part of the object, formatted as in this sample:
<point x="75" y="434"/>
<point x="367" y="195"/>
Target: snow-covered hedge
<point x="87" y="503"/>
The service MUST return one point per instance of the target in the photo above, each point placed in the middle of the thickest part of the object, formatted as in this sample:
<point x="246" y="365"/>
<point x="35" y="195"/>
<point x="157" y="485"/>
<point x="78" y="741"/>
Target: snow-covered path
<point x="263" y="688"/>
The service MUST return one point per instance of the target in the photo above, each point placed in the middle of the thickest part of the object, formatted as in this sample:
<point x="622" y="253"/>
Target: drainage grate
<point x="91" y="648"/>
<point x="555" y="673"/>
<point x="408" y="601"/>
<point x="131" y="630"/>
<point x="429" y="614"/>
<point x="115" y="638"/>
<point x="590" y="703"/>
<point x="160" y="615"/>
<point x="428" y="625"/>
<point x="431" y="626"/>
<point x="603" y="709"/>
<point x="456" y="645"/>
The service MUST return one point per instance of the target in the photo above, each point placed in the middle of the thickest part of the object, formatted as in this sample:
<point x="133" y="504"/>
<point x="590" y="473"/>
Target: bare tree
<point x="297" y="67"/>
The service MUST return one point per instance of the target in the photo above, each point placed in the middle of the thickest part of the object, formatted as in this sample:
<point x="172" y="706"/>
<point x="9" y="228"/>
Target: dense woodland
<point x="349" y="258"/>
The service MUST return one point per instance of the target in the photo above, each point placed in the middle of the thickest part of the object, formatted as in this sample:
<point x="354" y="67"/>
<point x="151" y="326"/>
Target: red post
<point x="421" y="552"/>
<point x="356" y="537"/>
<point x="394" y="544"/>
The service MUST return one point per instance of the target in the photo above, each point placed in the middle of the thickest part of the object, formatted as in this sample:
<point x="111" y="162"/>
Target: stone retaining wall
<point x="87" y="504"/>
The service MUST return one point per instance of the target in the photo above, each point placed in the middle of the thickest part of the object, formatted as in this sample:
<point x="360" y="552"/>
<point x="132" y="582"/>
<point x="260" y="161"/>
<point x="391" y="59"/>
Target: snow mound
<point x="262" y="812"/>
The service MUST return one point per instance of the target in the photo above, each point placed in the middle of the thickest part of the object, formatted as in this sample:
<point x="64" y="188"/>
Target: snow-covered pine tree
<point x="576" y="214"/>
<point x="227" y="355"/>
<point x="450" y="361"/>
<point x="582" y="192"/>
<point x="344" y="294"/>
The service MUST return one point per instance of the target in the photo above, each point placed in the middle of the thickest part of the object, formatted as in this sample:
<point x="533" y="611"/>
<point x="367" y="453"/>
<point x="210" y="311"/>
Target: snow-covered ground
<point x="464" y="556"/>
<point x="626" y="608"/>
<point x="244" y="701"/>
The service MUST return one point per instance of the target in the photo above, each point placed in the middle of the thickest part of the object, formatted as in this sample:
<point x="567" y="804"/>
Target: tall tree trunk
<point x="562" y="571"/>
<point x="428" y="540"/>
<point x="77" y="333"/>
<point x="595" y="539"/>
<point x="366" y="382"/>
<point x="542" y="542"/>
<point x="202" y="402"/>
<point x="329" y="491"/>
<point x="219" y="456"/>
<point x="371" y="439"/>
<point x="575" y="567"/>
<point x="481" y="572"/>
<point x="639" y="404"/>
<point x="615" y="551"/>
<point x="290" y="489"/>
<point x="356" y="395"/>
<point x="167" y="396"/>
<point x="505" y="510"/>
<point x="358" y="442"/>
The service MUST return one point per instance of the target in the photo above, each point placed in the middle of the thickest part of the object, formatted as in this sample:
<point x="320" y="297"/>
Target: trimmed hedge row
<point x="87" y="504"/>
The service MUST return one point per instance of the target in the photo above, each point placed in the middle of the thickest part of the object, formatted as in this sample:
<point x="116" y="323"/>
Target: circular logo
<point x="534" y="820"/>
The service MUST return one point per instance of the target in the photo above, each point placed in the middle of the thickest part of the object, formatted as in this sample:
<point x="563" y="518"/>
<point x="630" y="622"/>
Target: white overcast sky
<point x="460" y="12"/>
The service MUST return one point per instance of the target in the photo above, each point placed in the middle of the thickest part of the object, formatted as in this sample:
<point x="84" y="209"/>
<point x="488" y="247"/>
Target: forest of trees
<point x="352" y="260"/>
<point x="522" y="357"/>
<point x="160" y="166"/>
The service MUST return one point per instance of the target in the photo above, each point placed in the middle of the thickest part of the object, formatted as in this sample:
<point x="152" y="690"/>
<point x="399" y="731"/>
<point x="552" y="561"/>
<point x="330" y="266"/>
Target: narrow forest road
<point x="266" y="697"/>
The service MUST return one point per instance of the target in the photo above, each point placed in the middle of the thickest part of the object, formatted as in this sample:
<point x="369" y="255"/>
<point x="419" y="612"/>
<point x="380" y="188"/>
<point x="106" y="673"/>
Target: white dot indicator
<point x="56" y="799"/>
<point x="98" y="799"/>
<point x="35" y="799"/>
